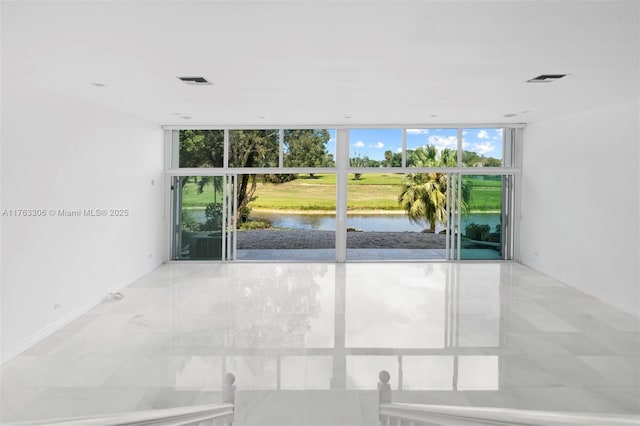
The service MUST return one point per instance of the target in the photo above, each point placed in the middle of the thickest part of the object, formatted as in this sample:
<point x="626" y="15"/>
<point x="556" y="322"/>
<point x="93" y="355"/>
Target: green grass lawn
<point x="365" y="179"/>
<point x="191" y="198"/>
<point x="375" y="191"/>
<point x="486" y="195"/>
<point x="371" y="192"/>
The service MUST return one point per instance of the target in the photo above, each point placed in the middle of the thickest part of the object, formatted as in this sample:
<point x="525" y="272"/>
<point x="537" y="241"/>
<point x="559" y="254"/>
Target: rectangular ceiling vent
<point x="195" y="81"/>
<point x="546" y="78"/>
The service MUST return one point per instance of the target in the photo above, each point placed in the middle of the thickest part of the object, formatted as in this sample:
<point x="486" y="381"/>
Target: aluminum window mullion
<point x="171" y="143"/>
<point x="403" y="162"/>
<point x="342" y="163"/>
<point x="449" y="221"/>
<point x="318" y="170"/>
<point x="225" y="217"/>
<point x="234" y="212"/>
<point x="225" y="149"/>
<point x="281" y="148"/>
<point x="459" y="145"/>
<point x="349" y="126"/>
<point x="459" y="218"/>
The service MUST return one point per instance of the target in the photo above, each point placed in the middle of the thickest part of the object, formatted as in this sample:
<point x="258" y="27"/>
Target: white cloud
<point x="358" y="144"/>
<point x="444" y="141"/>
<point x="417" y="131"/>
<point x="399" y="150"/>
<point x="482" y="134"/>
<point x="378" y="145"/>
<point x="483" y="148"/>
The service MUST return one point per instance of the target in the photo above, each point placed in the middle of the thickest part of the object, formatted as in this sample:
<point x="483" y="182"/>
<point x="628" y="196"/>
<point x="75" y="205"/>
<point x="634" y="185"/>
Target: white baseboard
<point x="45" y="332"/>
<point x="12" y="352"/>
<point x="623" y="305"/>
<point x="620" y="304"/>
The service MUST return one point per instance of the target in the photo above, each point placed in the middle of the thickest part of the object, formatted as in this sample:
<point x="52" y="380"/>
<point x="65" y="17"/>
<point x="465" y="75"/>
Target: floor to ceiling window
<point x="346" y="194"/>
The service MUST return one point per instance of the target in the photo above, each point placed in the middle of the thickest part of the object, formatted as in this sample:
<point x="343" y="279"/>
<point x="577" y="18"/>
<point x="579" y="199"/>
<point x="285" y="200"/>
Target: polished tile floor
<point x="307" y="340"/>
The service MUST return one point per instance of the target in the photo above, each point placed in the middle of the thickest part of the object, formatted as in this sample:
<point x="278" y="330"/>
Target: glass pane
<point x="482" y="147"/>
<point x="482" y="217"/>
<point x="395" y="216"/>
<point x="287" y="217"/>
<point x="432" y="147"/>
<point x="200" y="223"/>
<point x="254" y="148"/>
<point x="309" y="148"/>
<point x="433" y="372"/>
<point x="259" y="372"/>
<point x="201" y="148"/>
<point x="306" y="372"/>
<point x="362" y="371"/>
<point x="375" y="147"/>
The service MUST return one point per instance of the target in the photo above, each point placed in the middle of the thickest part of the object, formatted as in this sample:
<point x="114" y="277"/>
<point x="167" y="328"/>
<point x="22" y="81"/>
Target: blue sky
<point x="374" y="142"/>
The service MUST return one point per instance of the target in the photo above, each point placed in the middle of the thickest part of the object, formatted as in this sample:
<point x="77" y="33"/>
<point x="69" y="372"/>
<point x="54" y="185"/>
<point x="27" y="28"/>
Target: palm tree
<point x="424" y="198"/>
<point x="424" y="195"/>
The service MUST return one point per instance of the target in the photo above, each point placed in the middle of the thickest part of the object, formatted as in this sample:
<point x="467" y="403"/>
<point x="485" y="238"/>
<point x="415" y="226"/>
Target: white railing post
<point x="384" y="394"/>
<point x="229" y="389"/>
<point x="229" y="396"/>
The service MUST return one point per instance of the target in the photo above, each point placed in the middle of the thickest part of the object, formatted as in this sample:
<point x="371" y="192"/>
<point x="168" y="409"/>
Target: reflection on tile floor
<point x="307" y="340"/>
<point x="329" y="255"/>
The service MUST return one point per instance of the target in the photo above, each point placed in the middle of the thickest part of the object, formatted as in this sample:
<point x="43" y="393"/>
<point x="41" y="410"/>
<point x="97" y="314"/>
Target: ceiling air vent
<point x="195" y="81"/>
<point x="546" y="78"/>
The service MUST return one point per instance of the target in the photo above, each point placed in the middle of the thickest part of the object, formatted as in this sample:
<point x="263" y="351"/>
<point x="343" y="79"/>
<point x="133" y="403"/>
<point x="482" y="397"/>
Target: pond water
<point x="370" y="222"/>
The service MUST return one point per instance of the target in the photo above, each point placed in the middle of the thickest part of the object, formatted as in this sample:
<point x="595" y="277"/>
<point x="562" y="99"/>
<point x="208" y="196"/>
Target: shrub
<point x="477" y="232"/>
<point x="279" y="178"/>
<point x="189" y="223"/>
<point x="213" y="213"/>
<point x="255" y="224"/>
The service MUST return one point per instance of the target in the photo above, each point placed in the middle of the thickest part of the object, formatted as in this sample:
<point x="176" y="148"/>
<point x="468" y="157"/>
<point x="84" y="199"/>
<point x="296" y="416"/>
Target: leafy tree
<point x="251" y="148"/>
<point x="373" y="163"/>
<point x="330" y="161"/>
<point x="388" y="158"/>
<point x="201" y="148"/>
<point x="470" y="158"/>
<point x="306" y="148"/>
<point x="358" y="161"/>
<point x="396" y="160"/>
<point x="493" y="162"/>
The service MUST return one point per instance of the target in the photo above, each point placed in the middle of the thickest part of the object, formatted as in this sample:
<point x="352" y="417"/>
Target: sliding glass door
<point x="481" y="221"/>
<point x="203" y="217"/>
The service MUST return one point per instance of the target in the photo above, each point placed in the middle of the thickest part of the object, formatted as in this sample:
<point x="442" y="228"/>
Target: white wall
<point x="60" y="153"/>
<point x="580" y="202"/>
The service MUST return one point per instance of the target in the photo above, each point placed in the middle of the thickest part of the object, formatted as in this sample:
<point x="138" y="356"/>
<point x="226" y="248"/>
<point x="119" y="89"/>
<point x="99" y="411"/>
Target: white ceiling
<point x="317" y="62"/>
